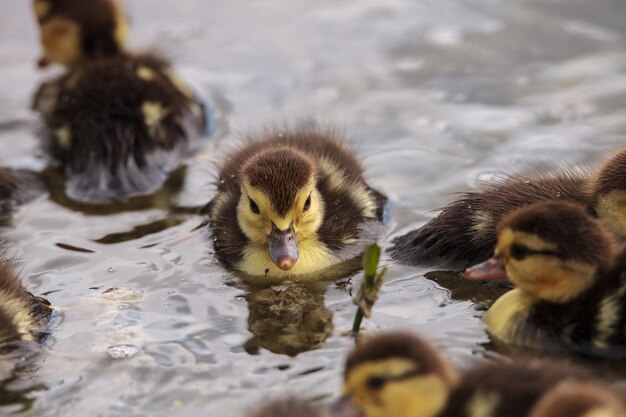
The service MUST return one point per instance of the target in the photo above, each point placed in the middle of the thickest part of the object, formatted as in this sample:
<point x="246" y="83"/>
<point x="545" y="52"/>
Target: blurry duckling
<point x="292" y="203"/>
<point x="401" y="375"/>
<point x="22" y="321"/>
<point x="464" y="232"/>
<point x="115" y="123"/>
<point x="579" y="400"/>
<point x="571" y="288"/>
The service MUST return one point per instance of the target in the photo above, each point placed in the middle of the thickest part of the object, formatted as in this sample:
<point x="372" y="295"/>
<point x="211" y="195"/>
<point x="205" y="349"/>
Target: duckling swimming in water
<point x="292" y="204"/>
<point x="571" y="288"/>
<point x="116" y="123"/>
<point x="464" y="232"/>
<point x="401" y="375"/>
<point x="22" y="319"/>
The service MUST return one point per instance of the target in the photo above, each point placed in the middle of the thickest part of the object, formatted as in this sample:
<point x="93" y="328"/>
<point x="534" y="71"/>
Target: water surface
<point x="434" y="94"/>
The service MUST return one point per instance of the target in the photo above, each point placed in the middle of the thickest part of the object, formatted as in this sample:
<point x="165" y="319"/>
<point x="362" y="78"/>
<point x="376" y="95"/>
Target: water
<point x="434" y="94"/>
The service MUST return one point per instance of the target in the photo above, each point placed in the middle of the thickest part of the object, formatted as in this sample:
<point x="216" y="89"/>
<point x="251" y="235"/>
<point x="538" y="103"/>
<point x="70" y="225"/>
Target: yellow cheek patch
<point x="508" y="237"/>
<point x="418" y="396"/>
<point x="61" y="40"/>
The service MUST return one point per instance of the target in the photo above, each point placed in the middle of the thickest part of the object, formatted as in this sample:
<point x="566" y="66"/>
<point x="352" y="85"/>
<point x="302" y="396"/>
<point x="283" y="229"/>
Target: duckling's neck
<point x="508" y="314"/>
<point x="314" y="256"/>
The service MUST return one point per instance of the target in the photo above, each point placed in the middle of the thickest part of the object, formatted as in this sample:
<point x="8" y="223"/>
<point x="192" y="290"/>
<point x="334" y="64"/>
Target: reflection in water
<point x="482" y="293"/>
<point x="288" y="318"/>
<point x="160" y="199"/>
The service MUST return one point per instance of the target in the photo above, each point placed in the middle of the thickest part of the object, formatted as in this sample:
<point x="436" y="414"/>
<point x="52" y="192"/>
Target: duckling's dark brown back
<point x="464" y="232"/>
<point x="118" y="125"/>
<point x="508" y="389"/>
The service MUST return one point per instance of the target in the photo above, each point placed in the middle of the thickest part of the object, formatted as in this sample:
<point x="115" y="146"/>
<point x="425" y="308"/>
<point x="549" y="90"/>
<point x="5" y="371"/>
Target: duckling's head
<point x="397" y="375"/>
<point x="551" y="250"/>
<point x="73" y="30"/>
<point x="609" y="193"/>
<point x="280" y="205"/>
<point x="579" y="400"/>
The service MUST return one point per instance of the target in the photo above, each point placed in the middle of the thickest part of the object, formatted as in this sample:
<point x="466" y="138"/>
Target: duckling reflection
<point x="289" y="318"/>
<point x="16" y="187"/>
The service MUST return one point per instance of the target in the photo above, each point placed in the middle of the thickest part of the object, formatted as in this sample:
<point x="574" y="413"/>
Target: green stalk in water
<point x="370" y="287"/>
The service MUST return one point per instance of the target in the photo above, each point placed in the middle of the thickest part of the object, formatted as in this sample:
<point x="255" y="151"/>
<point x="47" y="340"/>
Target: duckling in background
<point x="22" y="320"/>
<point x="464" y="232"/>
<point x="401" y="375"/>
<point x="293" y="204"/>
<point x="579" y="400"/>
<point x="116" y="123"/>
<point x="571" y="289"/>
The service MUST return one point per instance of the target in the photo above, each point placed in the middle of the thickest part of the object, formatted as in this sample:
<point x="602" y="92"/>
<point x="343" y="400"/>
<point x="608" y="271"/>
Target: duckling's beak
<point x="344" y="407"/>
<point x="283" y="247"/>
<point x="490" y="270"/>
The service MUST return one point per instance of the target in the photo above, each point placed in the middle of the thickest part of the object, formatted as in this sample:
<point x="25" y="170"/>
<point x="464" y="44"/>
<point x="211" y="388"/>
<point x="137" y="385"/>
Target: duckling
<point x="22" y="320"/>
<point x="402" y="375"/>
<point x="292" y="204"/>
<point x="116" y="123"/>
<point x="579" y="400"/>
<point x="290" y="407"/>
<point x="464" y="232"/>
<point x="571" y="288"/>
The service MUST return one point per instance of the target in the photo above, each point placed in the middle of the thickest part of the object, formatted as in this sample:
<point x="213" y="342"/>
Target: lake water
<point x="434" y="94"/>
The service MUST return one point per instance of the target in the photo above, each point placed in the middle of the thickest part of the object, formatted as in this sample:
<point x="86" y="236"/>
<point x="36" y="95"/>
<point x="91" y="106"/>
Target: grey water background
<point x="435" y="95"/>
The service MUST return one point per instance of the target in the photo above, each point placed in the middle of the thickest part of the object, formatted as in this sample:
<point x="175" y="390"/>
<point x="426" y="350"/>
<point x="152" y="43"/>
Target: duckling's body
<point x="291" y="204"/>
<point x="400" y="375"/>
<point x="571" y="293"/>
<point x="22" y="318"/>
<point x="464" y="232"/>
<point x="115" y="122"/>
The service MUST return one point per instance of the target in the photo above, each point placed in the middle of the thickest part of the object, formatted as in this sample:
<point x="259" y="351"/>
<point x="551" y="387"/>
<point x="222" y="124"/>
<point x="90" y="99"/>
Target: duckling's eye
<point x="376" y="382"/>
<point x="519" y="252"/>
<point x="254" y="207"/>
<point x="307" y="204"/>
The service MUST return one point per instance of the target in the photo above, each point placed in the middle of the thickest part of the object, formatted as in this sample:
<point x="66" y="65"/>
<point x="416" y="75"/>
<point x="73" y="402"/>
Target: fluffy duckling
<point x="22" y="318"/>
<point x="116" y="123"/>
<point x="570" y="293"/>
<point x="401" y="375"/>
<point x="579" y="400"/>
<point x="464" y="232"/>
<point x="292" y="204"/>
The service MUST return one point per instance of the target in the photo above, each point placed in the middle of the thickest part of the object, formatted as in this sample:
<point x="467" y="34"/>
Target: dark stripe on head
<point x="576" y="234"/>
<point x="401" y="346"/>
<point x="280" y="172"/>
